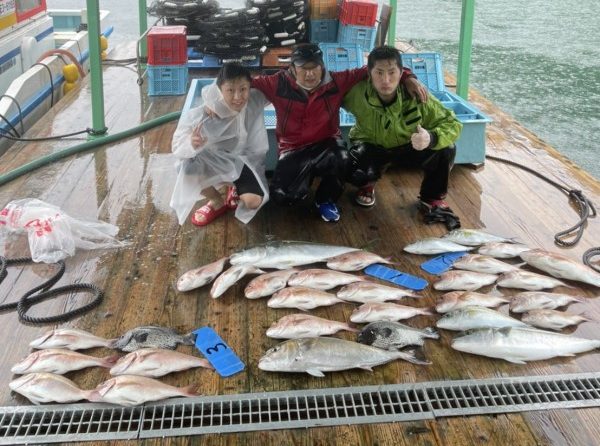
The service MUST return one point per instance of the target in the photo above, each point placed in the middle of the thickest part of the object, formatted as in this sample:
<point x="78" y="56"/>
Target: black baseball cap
<point x="305" y="53"/>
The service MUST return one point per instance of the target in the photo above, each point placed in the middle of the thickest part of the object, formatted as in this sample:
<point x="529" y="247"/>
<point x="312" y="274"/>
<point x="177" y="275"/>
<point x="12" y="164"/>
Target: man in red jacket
<point x="307" y="100"/>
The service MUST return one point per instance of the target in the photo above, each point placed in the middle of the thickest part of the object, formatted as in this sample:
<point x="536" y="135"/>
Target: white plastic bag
<point x="53" y="235"/>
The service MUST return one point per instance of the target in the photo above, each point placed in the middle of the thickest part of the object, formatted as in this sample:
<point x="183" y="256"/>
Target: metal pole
<point x="93" y="18"/>
<point x="391" y="37"/>
<point x="143" y="19"/>
<point x="464" y="48"/>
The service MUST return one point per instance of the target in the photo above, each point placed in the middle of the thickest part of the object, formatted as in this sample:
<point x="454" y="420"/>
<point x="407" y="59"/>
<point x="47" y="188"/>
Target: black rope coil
<point x="585" y="207"/>
<point x="44" y="292"/>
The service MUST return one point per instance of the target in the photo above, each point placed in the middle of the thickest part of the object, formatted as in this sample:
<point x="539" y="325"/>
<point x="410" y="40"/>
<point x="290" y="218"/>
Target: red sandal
<point x="209" y="213"/>
<point x="232" y="197"/>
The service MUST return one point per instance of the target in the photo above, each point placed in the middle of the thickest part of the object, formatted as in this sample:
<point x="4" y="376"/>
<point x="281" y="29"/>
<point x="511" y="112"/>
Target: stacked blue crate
<point x="342" y="56"/>
<point x="471" y="143"/>
<point x="359" y="35"/>
<point x="323" y="30"/>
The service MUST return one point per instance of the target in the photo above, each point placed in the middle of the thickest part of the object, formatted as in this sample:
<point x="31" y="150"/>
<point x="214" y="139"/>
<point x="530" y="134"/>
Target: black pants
<point x="247" y="183"/>
<point x="296" y="170"/>
<point x="367" y="162"/>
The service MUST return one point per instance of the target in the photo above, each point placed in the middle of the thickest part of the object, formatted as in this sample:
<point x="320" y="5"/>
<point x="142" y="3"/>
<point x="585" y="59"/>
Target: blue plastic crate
<point x="427" y="67"/>
<point x="342" y="56"/>
<point x="165" y="80"/>
<point x="197" y="59"/>
<point x="360" y="35"/>
<point x="323" y="30"/>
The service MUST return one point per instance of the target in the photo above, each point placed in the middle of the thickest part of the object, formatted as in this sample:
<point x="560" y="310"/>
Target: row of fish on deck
<point x="307" y="349"/>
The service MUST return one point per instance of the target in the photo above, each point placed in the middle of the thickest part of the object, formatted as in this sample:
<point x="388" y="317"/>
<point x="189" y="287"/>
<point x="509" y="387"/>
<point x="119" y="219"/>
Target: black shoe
<point x="438" y="211"/>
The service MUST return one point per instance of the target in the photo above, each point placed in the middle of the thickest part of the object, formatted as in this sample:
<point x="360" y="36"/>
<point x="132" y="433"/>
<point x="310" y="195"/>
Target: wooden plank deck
<point x="129" y="184"/>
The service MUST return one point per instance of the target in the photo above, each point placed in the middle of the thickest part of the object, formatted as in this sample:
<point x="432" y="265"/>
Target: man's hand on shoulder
<point x="416" y="89"/>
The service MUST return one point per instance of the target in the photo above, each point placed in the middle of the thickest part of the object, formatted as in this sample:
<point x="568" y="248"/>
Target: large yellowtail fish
<point x="317" y="355"/>
<point x="282" y="255"/>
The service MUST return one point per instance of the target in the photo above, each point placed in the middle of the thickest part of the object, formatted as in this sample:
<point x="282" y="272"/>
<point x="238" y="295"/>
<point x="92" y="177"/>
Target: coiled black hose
<point x="44" y="292"/>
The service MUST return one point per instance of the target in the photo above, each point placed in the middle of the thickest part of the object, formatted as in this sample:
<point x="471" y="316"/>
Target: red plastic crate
<point x="358" y="12"/>
<point x="167" y="45"/>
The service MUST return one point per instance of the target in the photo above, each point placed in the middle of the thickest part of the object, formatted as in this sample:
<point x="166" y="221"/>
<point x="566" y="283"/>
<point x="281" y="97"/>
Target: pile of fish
<point x="307" y="289"/>
<point x="492" y="333"/>
<point x="149" y="357"/>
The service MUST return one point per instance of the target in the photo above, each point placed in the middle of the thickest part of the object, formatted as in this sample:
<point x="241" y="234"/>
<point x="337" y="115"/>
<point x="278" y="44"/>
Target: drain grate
<point x="297" y="409"/>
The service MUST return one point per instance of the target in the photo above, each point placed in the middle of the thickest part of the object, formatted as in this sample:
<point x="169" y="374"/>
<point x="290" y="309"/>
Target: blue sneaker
<point x="329" y="211"/>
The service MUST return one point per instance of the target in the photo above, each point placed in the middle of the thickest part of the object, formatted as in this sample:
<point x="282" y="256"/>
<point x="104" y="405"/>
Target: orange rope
<point x="64" y="53"/>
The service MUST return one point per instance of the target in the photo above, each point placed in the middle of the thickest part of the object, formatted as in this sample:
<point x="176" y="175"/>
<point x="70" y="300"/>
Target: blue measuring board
<point x="396" y="277"/>
<point x="443" y="263"/>
<point x="217" y="352"/>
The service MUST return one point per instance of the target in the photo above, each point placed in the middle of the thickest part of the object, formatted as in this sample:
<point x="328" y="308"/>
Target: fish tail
<point x="112" y="343"/>
<point x="431" y="333"/>
<point x="109" y="361"/>
<point x="350" y="328"/>
<point x="411" y="356"/>
<point x="191" y="390"/>
<point x="189" y="338"/>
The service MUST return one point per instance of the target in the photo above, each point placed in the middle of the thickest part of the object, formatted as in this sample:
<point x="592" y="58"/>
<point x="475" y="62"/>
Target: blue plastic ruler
<point x="217" y="352"/>
<point x="443" y="263"/>
<point x="396" y="277"/>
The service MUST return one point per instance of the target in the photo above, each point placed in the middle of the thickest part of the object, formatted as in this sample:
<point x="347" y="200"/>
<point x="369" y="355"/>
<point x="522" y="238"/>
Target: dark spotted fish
<point x="152" y="337"/>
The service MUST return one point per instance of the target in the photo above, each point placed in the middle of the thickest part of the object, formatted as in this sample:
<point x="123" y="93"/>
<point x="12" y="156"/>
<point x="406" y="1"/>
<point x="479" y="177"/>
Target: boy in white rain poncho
<point x="227" y="145"/>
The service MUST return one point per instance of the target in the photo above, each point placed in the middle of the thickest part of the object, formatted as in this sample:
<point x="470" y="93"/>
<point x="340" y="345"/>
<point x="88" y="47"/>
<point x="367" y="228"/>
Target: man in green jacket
<point x="393" y="128"/>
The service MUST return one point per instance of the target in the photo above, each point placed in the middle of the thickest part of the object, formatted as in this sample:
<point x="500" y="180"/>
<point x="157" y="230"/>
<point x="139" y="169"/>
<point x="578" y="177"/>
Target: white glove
<point x="421" y="139"/>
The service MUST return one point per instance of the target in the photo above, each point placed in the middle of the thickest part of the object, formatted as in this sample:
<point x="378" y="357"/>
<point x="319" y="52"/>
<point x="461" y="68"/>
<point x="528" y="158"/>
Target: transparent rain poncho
<point x="232" y="140"/>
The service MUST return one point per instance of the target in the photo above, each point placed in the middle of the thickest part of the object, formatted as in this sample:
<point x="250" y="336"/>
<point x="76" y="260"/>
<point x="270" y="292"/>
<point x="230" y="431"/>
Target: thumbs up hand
<point x="421" y="139"/>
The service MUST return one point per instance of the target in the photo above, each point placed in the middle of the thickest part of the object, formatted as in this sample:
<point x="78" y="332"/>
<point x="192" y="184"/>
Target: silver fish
<point x="527" y="280"/>
<point x="435" y="246"/>
<point x="48" y="388"/>
<point x="230" y="277"/>
<point x="285" y="254"/>
<point x="152" y="337"/>
<point x="540" y="300"/>
<point x="472" y="237"/>
<point x="302" y="298"/>
<point x="70" y="338"/>
<point x="317" y="355"/>
<point x="198" y="277"/>
<point x="60" y="361"/>
<point x="267" y="284"/>
<point x="552" y="319"/>
<point x="363" y="292"/>
<point x="355" y="261"/>
<point x="476" y="317"/>
<point x="461" y="299"/>
<point x="155" y="362"/>
<point x="463" y="280"/>
<point x="296" y="326"/>
<point x="322" y="279"/>
<point x="560" y="266"/>
<point x="501" y="250"/>
<point x="518" y="345"/>
<point x="483" y="264"/>
<point x="385" y="311"/>
<point x="130" y="390"/>
<point x="394" y="335"/>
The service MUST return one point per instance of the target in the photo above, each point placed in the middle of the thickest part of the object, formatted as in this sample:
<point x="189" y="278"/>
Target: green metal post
<point x="143" y="19"/>
<point x="93" y="18"/>
<point x="391" y="37"/>
<point x="464" y="48"/>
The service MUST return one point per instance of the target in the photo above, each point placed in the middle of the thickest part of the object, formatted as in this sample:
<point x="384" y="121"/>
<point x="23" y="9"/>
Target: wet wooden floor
<point x="129" y="184"/>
